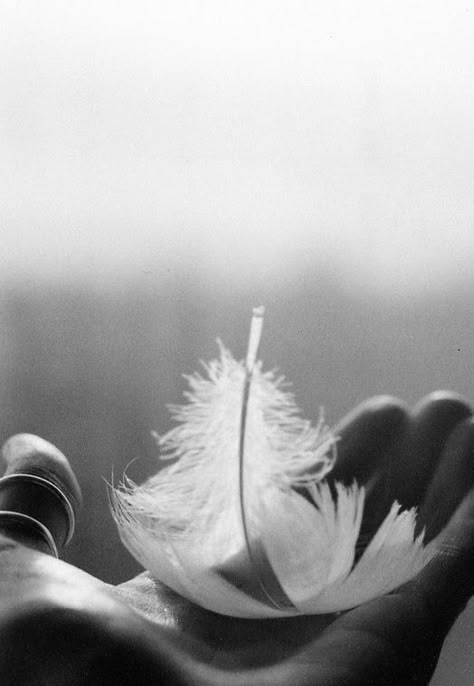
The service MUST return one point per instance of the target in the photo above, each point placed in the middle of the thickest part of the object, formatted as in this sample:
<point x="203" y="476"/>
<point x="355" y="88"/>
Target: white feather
<point x="226" y="524"/>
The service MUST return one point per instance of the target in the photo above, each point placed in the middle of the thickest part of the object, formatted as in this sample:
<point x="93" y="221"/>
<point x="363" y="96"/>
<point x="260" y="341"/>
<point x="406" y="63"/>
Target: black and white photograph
<point x="236" y="343"/>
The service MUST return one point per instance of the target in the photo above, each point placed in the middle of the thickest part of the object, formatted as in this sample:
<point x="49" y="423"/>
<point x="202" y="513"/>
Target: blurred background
<point x="165" y="166"/>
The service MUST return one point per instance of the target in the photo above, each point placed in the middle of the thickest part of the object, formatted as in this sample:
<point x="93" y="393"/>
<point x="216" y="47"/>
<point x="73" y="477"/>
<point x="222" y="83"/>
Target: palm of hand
<point x="416" y="458"/>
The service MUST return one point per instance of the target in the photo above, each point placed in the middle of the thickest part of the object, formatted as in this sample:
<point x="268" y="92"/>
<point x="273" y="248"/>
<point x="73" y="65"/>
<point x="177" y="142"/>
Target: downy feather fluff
<point x="242" y="520"/>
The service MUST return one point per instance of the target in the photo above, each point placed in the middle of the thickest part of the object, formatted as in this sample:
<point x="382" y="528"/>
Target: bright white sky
<point x="246" y="137"/>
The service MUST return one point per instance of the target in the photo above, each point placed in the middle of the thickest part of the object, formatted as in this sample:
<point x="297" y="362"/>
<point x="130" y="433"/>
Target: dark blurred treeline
<point x="92" y="368"/>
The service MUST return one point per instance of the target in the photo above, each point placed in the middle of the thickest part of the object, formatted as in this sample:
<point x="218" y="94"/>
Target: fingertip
<point x="449" y="404"/>
<point x="433" y="420"/>
<point x="31" y="454"/>
<point x="383" y="405"/>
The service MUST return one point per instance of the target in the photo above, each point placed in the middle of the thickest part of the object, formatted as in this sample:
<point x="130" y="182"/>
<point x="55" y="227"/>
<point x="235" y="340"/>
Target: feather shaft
<point x="260" y="565"/>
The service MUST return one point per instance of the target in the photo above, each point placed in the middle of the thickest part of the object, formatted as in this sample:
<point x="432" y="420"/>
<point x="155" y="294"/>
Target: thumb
<point x="39" y="494"/>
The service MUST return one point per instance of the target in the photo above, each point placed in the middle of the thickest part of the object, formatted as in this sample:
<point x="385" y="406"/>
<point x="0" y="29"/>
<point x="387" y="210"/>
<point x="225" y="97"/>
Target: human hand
<point x="59" y="625"/>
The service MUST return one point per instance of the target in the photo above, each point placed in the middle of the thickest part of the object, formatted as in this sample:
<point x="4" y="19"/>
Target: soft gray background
<point x="164" y="166"/>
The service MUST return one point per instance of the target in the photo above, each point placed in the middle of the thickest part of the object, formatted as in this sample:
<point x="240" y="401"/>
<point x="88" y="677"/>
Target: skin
<point x="59" y="625"/>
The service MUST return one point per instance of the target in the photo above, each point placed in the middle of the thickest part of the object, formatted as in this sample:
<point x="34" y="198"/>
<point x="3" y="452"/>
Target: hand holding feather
<point x="251" y="519"/>
<point x="59" y="625"/>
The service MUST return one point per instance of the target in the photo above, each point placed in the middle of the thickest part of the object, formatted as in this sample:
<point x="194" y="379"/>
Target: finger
<point x="453" y="479"/>
<point x="365" y="436"/>
<point x="39" y="494"/>
<point x="368" y="439"/>
<point x="447" y="582"/>
<point x="434" y="418"/>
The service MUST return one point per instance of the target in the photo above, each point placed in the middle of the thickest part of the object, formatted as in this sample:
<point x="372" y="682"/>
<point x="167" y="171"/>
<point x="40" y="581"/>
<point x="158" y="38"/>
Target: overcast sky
<point x="247" y="137"/>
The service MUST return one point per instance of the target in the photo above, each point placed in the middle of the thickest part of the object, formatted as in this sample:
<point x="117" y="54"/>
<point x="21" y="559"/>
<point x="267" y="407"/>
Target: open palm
<point x="59" y="625"/>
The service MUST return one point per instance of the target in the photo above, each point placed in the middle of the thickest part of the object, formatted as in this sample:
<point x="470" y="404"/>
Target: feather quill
<point x="242" y="520"/>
